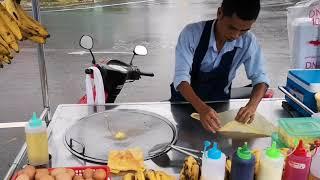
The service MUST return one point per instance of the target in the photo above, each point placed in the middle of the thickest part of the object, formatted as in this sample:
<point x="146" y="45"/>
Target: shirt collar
<point x="235" y="43"/>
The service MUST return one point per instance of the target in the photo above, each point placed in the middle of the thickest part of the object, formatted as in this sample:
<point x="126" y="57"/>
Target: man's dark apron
<point x="209" y="86"/>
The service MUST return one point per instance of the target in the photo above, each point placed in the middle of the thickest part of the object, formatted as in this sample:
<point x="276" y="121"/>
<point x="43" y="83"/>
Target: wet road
<point x="117" y="27"/>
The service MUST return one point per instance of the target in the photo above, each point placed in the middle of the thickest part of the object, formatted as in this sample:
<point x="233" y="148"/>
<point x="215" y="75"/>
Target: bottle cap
<point x="214" y="152"/>
<point x="300" y="150"/>
<point x="34" y="121"/>
<point x="244" y="152"/>
<point x="273" y="152"/>
<point x="206" y="144"/>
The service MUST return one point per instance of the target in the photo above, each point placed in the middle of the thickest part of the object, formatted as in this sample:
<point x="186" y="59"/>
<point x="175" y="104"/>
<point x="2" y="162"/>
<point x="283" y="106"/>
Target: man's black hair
<point x="244" y="9"/>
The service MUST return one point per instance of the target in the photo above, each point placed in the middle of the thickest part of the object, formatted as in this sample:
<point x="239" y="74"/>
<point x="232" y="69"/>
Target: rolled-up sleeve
<point x="184" y="57"/>
<point x="254" y="65"/>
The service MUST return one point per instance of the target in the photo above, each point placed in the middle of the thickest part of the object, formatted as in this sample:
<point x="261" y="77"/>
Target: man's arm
<point x="208" y="117"/>
<point x="254" y="66"/>
<point x="246" y="114"/>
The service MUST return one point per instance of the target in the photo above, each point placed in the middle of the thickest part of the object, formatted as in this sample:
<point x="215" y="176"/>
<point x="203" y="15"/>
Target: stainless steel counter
<point x="190" y="132"/>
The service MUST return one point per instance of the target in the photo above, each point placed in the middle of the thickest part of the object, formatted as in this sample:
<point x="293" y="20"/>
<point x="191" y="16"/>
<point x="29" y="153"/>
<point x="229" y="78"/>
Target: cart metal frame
<point x="46" y="114"/>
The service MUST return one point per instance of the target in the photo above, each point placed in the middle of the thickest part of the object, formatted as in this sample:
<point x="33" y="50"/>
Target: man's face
<point x="231" y="28"/>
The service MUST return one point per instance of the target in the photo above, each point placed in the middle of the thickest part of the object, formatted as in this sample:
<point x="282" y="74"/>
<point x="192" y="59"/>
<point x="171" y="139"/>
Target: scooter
<point x="114" y="73"/>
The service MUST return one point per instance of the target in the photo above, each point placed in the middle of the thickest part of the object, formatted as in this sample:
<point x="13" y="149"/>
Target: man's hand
<point x="246" y="114"/>
<point x="209" y="119"/>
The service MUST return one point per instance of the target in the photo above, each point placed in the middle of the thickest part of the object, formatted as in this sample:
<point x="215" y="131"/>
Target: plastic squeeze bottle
<point x="315" y="164"/>
<point x="298" y="164"/>
<point x="242" y="164"/>
<point x="213" y="164"/>
<point x="271" y="164"/>
<point x="37" y="141"/>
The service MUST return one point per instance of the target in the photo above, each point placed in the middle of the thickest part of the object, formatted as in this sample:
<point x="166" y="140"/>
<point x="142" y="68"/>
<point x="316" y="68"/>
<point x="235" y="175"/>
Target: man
<point x="208" y="54"/>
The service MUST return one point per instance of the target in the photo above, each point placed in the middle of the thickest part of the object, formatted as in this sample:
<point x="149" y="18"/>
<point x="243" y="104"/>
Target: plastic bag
<point x="303" y="20"/>
<point x="95" y="94"/>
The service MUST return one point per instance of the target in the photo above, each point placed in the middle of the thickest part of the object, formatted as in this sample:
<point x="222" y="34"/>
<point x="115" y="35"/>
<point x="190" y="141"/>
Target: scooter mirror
<point x="86" y="42"/>
<point x="140" y="50"/>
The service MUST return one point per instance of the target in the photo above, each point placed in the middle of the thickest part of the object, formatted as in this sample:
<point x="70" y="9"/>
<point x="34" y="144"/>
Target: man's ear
<point x="219" y="13"/>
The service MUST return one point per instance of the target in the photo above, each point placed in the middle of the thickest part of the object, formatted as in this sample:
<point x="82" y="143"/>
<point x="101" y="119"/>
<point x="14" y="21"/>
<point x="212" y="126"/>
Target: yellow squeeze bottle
<point x="37" y="141"/>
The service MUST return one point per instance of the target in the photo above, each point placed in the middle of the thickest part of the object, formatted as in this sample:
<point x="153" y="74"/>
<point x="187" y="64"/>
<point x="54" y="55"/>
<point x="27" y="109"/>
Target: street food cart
<point x="174" y="129"/>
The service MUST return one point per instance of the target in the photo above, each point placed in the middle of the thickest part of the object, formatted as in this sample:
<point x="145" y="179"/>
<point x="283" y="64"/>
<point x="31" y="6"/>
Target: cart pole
<point x="42" y="64"/>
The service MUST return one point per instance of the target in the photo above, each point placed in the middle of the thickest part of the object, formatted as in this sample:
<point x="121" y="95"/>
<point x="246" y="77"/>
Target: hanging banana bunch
<point x="17" y="25"/>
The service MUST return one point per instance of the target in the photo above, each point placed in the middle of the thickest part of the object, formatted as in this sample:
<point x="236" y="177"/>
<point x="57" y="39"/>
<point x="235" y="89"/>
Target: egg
<point x="42" y="170"/>
<point x="63" y="176"/>
<point x="46" y="177"/>
<point x="120" y="135"/>
<point x="30" y="171"/>
<point x="57" y="171"/>
<point x="99" y="174"/>
<point x="23" y="177"/>
<point x="39" y="175"/>
<point x="71" y="172"/>
<point x="87" y="173"/>
<point x="20" y="172"/>
<point x="78" y="177"/>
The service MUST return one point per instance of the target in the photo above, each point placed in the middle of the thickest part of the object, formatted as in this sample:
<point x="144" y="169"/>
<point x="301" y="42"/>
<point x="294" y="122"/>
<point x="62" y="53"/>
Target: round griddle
<point x="92" y="137"/>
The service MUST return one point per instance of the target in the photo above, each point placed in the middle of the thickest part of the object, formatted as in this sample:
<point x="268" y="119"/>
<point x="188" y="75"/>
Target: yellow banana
<point x="182" y="177"/>
<point x="128" y="176"/>
<point x="139" y="175"/>
<point x="158" y="176"/>
<point x="190" y="169"/>
<point x="8" y="36"/>
<point x="37" y="39"/>
<point x="5" y="59"/>
<point x="165" y="176"/>
<point x="195" y="172"/>
<point x="228" y="165"/>
<point x="257" y="154"/>
<point x="28" y="21"/>
<point x="10" y="56"/>
<point x="4" y="43"/>
<point x="33" y="38"/>
<point x="10" y="5"/>
<point x="150" y="174"/>
<point x="4" y="51"/>
<point x="11" y="23"/>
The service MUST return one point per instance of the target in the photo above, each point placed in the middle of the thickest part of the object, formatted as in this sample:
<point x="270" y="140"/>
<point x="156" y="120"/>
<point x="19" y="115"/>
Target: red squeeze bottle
<point x="298" y="164"/>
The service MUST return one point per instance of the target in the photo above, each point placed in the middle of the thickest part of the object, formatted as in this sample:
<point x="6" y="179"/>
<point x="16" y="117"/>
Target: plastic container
<point x="37" y="141"/>
<point x="243" y="163"/>
<point x="303" y="84"/>
<point x="213" y="164"/>
<point x="304" y="47"/>
<point x="315" y="164"/>
<point x="271" y="164"/>
<point x="291" y="130"/>
<point x="298" y="164"/>
<point x="80" y="170"/>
